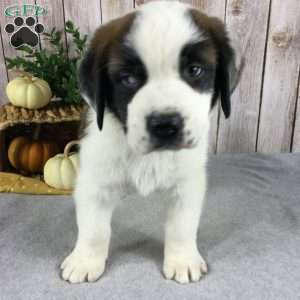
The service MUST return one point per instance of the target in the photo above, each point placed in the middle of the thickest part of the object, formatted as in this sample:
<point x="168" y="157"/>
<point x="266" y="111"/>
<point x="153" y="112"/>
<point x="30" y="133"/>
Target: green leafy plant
<point x="53" y="63"/>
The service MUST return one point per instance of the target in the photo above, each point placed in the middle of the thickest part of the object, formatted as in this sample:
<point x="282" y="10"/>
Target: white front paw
<point x="79" y="267"/>
<point x="184" y="268"/>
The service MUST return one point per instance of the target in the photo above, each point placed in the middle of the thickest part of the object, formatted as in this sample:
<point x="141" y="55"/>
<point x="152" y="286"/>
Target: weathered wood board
<point x="114" y="9"/>
<point x="247" y="22"/>
<point x="280" y="83"/>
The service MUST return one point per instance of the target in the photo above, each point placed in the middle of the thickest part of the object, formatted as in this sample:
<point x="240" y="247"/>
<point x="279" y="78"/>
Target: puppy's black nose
<point x="165" y="128"/>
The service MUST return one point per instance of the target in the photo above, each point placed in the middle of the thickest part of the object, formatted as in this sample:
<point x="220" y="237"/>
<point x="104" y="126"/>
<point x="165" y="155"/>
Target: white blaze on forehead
<point x="160" y="32"/>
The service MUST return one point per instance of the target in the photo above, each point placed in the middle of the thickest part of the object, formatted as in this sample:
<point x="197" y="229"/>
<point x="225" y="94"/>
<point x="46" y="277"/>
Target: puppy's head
<point x="160" y="70"/>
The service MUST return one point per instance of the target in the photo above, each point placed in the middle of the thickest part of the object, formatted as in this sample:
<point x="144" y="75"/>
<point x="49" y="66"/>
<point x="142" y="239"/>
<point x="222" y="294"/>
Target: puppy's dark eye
<point x="194" y="71"/>
<point x="129" y="80"/>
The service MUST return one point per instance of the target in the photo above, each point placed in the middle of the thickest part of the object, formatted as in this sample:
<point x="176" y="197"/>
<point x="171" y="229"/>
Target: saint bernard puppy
<point x="151" y="78"/>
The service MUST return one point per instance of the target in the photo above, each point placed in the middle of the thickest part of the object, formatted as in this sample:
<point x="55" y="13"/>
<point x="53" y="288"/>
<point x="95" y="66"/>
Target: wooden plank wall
<point x="248" y="34"/>
<point x="265" y="107"/>
<point x="281" y="78"/>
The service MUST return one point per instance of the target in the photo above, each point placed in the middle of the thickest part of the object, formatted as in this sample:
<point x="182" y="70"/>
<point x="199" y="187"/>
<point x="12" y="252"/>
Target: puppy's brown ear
<point x="93" y="76"/>
<point x="91" y="83"/>
<point x="227" y="74"/>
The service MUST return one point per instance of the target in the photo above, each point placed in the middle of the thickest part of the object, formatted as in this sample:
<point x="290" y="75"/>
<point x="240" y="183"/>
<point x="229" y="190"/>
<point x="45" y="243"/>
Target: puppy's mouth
<point x="167" y="146"/>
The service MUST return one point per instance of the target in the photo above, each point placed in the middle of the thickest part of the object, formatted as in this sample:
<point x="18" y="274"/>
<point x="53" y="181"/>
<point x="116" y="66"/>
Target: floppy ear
<point x="92" y="84"/>
<point x="227" y="74"/>
<point x="93" y="76"/>
<point x="225" y="70"/>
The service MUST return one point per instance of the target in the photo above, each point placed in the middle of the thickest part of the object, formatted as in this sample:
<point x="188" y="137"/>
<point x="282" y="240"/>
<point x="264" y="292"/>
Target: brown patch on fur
<point x="210" y="55"/>
<point x="110" y="34"/>
<point x="225" y="68"/>
<point x="207" y="52"/>
<point x="212" y="26"/>
<point x="217" y="31"/>
<point x="92" y="73"/>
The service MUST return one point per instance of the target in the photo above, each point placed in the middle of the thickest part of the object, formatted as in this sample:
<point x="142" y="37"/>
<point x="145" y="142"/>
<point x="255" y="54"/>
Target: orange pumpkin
<point x="29" y="155"/>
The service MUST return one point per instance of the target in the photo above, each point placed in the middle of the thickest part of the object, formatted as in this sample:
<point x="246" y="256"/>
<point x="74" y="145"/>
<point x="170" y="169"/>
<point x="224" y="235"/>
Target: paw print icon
<point x="24" y="32"/>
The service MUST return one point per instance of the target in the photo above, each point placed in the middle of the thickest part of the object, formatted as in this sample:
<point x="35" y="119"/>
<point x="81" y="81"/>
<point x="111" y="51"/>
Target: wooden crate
<point x="58" y="122"/>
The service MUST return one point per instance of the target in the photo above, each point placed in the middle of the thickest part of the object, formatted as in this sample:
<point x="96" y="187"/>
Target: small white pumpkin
<point x="28" y="91"/>
<point x="60" y="171"/>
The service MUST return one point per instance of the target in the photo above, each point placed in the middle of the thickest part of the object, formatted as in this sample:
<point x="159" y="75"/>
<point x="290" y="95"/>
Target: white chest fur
<point x="152" y="171"/>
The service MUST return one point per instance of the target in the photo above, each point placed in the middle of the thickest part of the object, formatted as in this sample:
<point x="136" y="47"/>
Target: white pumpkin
<point x="28" y="91"/>
<point x="60" y="171"/>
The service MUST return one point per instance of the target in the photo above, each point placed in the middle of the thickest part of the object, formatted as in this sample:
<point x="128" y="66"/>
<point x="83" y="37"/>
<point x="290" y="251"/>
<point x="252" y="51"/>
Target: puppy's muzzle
<point x="165" y="130"/>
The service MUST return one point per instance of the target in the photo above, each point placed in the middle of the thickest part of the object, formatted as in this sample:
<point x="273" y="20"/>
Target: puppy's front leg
<point x="94" y="207"/>
<point x="182" y="260"/>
